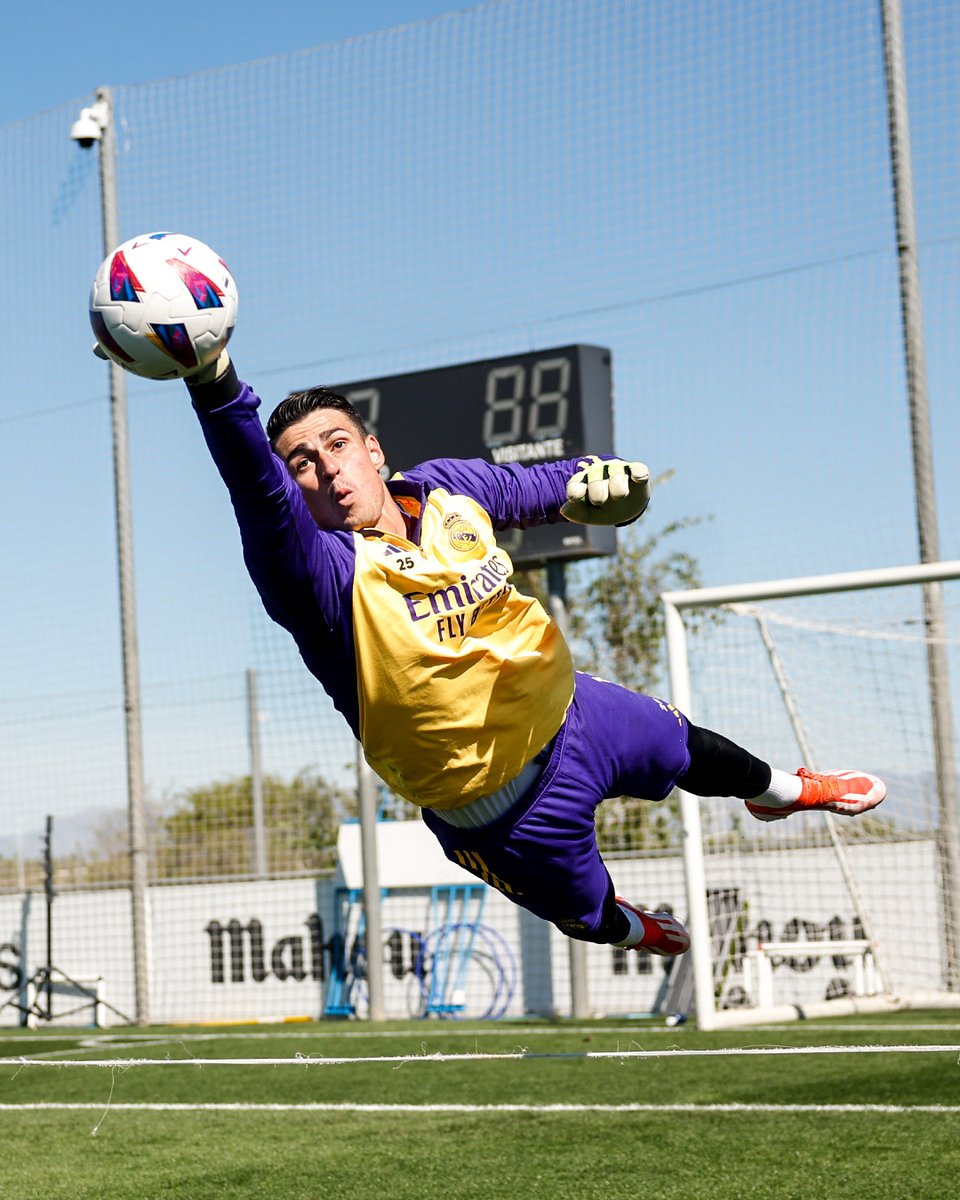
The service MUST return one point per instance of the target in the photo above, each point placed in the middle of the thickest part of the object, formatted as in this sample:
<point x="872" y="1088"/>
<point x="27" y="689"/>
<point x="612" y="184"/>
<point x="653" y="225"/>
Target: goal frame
<point x="674" y="605"/>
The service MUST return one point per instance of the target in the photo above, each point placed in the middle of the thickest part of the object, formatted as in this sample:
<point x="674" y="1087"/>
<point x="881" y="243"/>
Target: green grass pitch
<point x="753" y="1126"/>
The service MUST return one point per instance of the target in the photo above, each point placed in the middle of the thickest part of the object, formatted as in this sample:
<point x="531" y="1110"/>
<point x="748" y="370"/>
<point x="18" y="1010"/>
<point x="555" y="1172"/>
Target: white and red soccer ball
<point x="162" y="305"/>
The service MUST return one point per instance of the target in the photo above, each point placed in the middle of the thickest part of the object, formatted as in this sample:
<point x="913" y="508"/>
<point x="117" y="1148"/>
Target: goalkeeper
<point x="460" y="689"/>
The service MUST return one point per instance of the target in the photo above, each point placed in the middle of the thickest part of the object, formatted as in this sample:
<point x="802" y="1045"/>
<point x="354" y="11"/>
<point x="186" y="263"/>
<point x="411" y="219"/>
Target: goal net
<point x="792" y="917"/>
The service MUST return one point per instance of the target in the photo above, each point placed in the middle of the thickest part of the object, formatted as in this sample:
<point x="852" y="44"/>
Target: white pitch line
<point x="451" y="1030"/>
<point x="559" y="1109"/>
<point x="303" y="1060"/>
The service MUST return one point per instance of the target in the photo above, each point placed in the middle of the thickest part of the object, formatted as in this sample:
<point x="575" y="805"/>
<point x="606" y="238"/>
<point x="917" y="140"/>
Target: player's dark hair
<point x="298" y="404"/>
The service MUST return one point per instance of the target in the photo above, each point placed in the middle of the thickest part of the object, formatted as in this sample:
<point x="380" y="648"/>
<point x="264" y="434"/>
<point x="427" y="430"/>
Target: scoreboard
<point x="535" y="407"/>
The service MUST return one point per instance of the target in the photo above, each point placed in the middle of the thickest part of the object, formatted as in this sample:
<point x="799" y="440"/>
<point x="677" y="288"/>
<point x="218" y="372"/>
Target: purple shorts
<point x="543" y="854"/>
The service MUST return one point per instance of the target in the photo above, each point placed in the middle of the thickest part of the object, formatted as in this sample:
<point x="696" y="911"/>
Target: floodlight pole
<point x="102" y="115"/>
<point x="911" y="309"/>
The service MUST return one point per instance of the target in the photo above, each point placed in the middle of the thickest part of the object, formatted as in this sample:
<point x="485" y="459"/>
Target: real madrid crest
<point x="460" y="532"/>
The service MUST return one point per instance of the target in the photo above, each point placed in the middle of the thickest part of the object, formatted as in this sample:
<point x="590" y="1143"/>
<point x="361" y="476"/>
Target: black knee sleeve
<point x="719" y="767"/>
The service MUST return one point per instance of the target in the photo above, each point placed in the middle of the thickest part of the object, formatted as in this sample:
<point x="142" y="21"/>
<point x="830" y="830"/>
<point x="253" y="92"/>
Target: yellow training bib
<point x="462" y="680"/>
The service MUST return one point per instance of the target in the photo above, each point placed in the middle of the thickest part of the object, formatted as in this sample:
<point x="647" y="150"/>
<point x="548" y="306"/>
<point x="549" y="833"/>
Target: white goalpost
<point x="820" y="914"/>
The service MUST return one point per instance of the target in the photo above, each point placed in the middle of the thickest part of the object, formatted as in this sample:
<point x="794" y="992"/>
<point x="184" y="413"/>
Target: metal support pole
<point x="48" y="895"/>
<point x="128" y="621"/>
<point x="911" y="309"/>
<point x="694" y="869"/>
<point x="367" y="796"/>
<point x="579" y="988"/>
<point x="256" y="777"/>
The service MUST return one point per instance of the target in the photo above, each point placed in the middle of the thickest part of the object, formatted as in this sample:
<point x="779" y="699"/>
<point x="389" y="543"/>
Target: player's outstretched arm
<point x="607" y="492"/>
<point x="301" y="576"/>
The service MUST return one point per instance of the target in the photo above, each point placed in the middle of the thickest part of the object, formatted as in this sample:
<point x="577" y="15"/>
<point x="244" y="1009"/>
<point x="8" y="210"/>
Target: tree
<point x="210" y="830"/>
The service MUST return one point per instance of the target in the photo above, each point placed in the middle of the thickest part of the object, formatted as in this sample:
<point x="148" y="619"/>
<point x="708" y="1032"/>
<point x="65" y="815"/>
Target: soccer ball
<point x="162" y="305"/>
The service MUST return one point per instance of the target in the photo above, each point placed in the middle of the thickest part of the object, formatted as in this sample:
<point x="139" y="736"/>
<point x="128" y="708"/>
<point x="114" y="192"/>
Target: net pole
<point x="128" y="619"/>
<point x="911" y="309"/>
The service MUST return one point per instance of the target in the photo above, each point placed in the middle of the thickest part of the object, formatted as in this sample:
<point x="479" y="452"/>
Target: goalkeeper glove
<point x="607" y="492"/>
<point x="211" y="372"/>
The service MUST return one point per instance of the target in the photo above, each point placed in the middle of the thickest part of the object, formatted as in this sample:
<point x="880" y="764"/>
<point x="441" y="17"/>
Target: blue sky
<point x="65" y="50"/>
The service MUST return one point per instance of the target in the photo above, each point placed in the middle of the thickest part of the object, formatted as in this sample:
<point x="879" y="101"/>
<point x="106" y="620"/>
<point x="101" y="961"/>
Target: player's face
<point x="337" y="469"/>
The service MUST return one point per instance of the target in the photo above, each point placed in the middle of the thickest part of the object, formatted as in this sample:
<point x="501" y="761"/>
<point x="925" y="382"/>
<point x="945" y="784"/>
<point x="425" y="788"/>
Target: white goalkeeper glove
<point x="607" y="492"/>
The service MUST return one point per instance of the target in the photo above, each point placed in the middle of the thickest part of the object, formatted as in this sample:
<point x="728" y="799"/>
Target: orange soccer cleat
<point x="844" y="792"/>
<point x="662" y="933"/>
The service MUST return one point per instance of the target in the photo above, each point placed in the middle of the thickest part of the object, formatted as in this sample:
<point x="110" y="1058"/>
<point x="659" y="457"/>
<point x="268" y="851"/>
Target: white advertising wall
<point x="453" y="947"/>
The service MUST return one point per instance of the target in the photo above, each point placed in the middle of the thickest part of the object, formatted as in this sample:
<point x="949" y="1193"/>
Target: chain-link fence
<point x="704" y="188"/>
